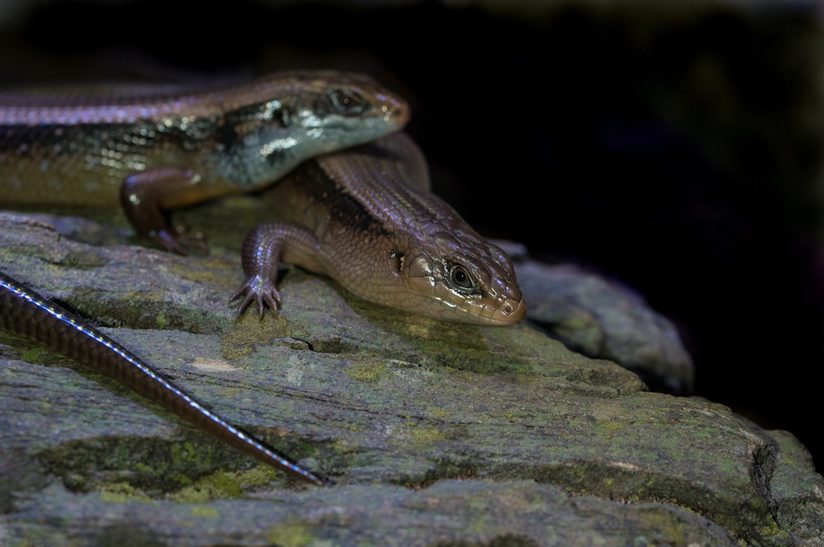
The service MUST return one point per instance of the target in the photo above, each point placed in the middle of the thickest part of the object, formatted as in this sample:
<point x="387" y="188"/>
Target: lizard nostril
<point x="508" y="308"/>
<point x="396" y="111"/>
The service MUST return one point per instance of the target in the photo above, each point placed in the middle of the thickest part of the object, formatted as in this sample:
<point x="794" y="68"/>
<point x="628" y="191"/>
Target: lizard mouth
<point x="509" y="312"/>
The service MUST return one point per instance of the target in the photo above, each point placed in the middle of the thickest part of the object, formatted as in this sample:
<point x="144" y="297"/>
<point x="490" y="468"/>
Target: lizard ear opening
<point x="284" y="116"/>
<point x="397" y="256"/>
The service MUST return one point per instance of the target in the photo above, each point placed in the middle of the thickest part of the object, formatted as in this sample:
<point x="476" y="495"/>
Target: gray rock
<point x="603" y="319"/>
<point x="434" y="433"/>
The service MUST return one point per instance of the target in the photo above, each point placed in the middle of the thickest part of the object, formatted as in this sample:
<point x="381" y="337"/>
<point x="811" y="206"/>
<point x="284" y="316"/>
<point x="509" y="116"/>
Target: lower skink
<point x="24" y="312"/>
<point x="365" y="217"/>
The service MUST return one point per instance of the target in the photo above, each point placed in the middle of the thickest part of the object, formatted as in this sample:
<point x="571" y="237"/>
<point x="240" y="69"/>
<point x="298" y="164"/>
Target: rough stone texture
<point x="603" y="319"/>
<point x="435" y="434"/>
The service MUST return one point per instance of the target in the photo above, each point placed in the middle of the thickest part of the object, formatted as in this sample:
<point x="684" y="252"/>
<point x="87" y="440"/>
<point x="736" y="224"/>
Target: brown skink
<point x="366" y="218"/>
<point x="153" y="149"/>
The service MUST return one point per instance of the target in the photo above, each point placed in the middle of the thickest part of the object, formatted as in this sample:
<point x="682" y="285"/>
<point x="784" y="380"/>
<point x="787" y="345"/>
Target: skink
<point x="25" y="312"/>
<point x="155" y="149"/>
<point x="365" y="217"/>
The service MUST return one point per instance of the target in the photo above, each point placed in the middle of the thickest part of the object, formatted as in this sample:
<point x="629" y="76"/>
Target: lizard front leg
<point x="263" y="250"/>
<point x="146" y="195"/>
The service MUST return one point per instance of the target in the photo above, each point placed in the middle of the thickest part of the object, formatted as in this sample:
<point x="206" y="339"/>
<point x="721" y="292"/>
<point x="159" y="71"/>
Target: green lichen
<point x="664" y="522"/>
<point x="83" y="259"/>
<point x="342" y="446"/>
<point x="213" y="272"/>
<point x="439" y="413"/>
<point x="773" y="534"/>
<point x="121" y="492"/>
<point x="367" y="370"/>
<point x="161" y="321"/>
<point x="204" y="511"/>
<point x="639" y="486"/>
<point x="225" y="485"/>
<point x="436" y="343"/>
<point x="144" y="309"/>
<point x="608" y="428"/>
<point x="143" y="468"/>
<point x="257" y="476"/>
<point x="250" y="331"/>
<point x="153" y="466"/>
<point x="419" y="436"/>
<point x="183" y="453"/>
<point x="25" y="349"/>
<point x="37" y="355"/>
<point x="218" y="485"/>
<point x="290" y="534"/>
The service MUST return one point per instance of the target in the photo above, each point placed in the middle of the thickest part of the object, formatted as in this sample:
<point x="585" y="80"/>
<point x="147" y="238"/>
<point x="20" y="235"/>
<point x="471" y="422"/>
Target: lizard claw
<point x="169" y="242"/>
<point x="259" y="290"/>
<point x="179" y="243"/>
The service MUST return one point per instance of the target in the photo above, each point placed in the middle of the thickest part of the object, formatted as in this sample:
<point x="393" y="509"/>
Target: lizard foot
<point x="260" y="290"/>
<point x="180" y="243"/>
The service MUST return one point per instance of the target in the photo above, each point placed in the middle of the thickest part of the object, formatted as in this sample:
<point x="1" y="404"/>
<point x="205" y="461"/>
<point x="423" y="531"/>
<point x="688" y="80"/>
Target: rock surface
<point x="603" y="319"/>
<point x="435" y="434"/>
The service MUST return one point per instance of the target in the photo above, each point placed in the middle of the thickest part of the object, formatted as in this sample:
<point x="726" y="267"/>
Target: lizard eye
<point x="347" y="102"/>
<point x="460" y="279"/>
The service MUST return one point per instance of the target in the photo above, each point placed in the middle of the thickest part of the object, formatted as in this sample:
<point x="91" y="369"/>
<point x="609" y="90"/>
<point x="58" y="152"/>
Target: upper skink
<point x="155" y="149"/>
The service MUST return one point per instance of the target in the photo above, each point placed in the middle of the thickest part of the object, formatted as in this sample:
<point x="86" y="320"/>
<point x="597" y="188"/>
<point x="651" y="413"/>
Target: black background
<point x="676" y="151"/>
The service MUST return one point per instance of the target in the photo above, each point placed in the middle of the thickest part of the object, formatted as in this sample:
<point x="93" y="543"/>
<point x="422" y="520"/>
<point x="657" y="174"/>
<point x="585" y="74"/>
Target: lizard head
<point x="459" y="276"/>
<point x="436" y="265"/>
<point x="335" y="110"/>
<point x="292" y="116"/>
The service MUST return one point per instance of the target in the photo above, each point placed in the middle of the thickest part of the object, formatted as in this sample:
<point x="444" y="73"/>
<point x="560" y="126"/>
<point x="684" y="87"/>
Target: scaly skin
<point x="155" y="149"/>
<point x="366" y="218"/>
<point x="25" y="312"/>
